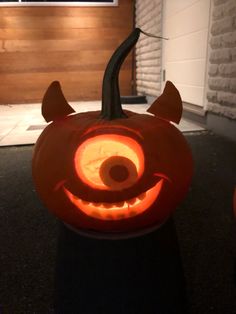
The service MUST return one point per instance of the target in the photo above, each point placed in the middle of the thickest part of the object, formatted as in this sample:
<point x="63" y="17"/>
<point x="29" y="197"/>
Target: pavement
<point x="30" y="237"/>
<point x="22" y="124"/>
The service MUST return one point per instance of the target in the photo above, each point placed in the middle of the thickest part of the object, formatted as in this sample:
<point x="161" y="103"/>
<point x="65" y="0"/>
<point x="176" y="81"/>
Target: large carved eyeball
<point x="109" y="162"/>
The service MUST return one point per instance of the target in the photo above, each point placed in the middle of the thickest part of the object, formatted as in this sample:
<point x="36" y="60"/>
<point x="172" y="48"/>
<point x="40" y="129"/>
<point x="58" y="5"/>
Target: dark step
<point x="133" y="99"/>
<point x="141" y="275"/>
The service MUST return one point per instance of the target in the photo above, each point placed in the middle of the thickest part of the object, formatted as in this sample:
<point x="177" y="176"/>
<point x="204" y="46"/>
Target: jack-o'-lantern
<point x="112" y="172"/>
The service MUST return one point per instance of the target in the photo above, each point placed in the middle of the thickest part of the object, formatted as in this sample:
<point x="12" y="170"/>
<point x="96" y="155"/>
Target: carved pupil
<point x="119" y="173"/>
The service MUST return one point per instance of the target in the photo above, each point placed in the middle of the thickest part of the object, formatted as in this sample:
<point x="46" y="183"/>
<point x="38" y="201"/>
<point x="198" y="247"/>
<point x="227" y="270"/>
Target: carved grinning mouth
<point x="117" y="211"/>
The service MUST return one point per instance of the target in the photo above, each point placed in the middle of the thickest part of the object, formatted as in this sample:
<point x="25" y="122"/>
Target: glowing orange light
<point x="97" y="157"/>
<point x="117" y="211"/>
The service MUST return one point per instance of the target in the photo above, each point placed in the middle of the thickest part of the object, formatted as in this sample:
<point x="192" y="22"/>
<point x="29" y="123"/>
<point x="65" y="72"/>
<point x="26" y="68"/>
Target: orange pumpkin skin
<point x="113" y="172"/>
<point x="167" y="159"/>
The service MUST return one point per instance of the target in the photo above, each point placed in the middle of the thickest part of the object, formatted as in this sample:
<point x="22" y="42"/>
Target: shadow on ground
<point x="205" y="226"/>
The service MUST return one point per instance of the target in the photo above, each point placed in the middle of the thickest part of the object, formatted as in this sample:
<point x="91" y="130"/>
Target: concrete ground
<point x="22" y="124"/>
<point x="29" y="235"/>
<point x="205" y="226"/>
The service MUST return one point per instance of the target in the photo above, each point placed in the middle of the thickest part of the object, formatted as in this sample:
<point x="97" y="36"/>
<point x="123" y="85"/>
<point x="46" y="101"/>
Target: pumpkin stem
<point x="111" y="103"/>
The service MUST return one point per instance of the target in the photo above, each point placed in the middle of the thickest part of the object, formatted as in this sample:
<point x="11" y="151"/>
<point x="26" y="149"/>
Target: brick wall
<point x="148" y="50"/>
<point x="221" y="95"/>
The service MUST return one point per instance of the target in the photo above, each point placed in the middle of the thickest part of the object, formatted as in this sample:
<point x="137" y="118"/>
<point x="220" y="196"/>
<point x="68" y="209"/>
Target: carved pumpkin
<point x="114" y="171"/>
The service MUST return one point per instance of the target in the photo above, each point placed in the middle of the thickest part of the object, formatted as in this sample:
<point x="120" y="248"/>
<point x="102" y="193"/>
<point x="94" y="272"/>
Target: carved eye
<point x="109" y="162"/>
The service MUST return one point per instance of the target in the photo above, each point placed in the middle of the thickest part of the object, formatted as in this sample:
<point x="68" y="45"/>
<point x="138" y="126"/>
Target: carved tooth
<point x="98" y="204"/>
<point x="132" y="201"/>
<point x="142" y="196"/>
<point x="120" y="204"/>
<point x="107" y="205"/>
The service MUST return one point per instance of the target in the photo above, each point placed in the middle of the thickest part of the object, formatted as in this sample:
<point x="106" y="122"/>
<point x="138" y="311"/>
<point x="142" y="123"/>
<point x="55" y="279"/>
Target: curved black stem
<point x="111" y="103"/>
<point x="151" y="35"/>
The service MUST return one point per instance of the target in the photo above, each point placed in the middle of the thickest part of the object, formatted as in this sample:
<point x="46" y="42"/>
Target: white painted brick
<point x="151" y="25"/>
<point x="229" y="39"/>
<point x="147" y="84"/>
<point x="226" y="99"/>
<point x="220" y="84"/>
<point x="149" y="63"/>
<point x="149" y="91"/>
<point x="228" y="112"/>
<point x="142" y="5"/>
<point x="148" y="77"/>
<point x="148" y="50"/>
<point x="233" y="53"/>
<point x="150" y="70"/>
<point x="212" y="96"/>
<point x="147" y="41"/>
<point x="218" y="12"/>
<point x="149" y="55"/>
<point x="139" y="4"/>
<point x="221" y="94"/>
<point x="150" y="17"/>
<point x="213" y="70"/>
<point x="229" y="9"/>
<point x="219" y="2"/>
<point x="222" y="26"/>
<point x="228" y="70"/>
<point x="153" y="29"/>
<point x="221" y="55"/>
<point x="232" y="86"/>
<point x="153" y="92"/>
<point x="143" y="89"/>
<point x="217" y="42"/>
<point x="153" y="43"/>
<point x="140" y="20"/>
<point x="145" y="10"/>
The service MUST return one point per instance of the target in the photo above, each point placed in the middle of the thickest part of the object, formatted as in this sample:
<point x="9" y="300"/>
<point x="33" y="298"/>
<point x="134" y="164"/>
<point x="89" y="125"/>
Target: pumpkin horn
<point x="111" y="103"/>
<point x="54" y="105"/>
<point x="168" y="106"/>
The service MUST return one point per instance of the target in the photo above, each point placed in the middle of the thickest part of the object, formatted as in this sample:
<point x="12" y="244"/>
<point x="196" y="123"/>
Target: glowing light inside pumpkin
<point x="118" y="153"/>
<point x="117" y="211"/>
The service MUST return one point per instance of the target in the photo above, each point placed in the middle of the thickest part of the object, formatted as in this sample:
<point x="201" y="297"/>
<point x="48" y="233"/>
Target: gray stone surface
<point x="221" y="93"/>
<point x="148" y="50"/>
<point x="204" y="221"/>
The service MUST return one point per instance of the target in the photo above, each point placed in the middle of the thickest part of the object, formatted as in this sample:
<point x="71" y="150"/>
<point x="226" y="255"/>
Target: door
<point x="184" y="56"/>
